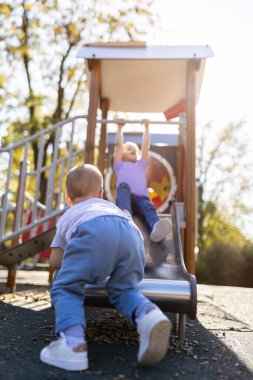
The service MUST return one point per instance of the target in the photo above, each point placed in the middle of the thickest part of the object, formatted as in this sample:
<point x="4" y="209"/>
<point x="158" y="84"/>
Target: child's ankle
<point x="143" y="310"/>
<point x="74" y="335"/>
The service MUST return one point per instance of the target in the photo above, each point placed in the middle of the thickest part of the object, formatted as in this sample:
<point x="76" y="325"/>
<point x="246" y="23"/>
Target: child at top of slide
<point x="131" y="185"/>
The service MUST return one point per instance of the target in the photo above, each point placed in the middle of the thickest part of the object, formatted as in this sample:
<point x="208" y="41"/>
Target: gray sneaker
<point x="160" y="230"/>
<point x="154" y="333"/>
<point x="60" y="355"/>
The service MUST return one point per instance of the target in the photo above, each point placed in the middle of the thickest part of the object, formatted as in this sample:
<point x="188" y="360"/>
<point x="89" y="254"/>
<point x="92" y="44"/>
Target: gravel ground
<point x="210" y="350"/>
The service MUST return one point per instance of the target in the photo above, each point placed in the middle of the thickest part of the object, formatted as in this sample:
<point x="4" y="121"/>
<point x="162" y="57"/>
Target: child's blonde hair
<point x="133" y="144"/>
<point x="84" y="180"/>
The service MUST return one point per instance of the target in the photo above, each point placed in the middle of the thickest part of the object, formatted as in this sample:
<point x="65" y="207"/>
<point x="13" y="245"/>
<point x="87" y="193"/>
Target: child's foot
<point x="160" y="230"/>
<point x="154" y="332"/>
<point x="59" y="354"/>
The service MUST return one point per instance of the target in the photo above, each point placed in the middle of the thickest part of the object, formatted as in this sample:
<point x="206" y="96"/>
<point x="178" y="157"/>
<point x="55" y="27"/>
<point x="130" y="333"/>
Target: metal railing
<point x="33" y="171"/>
<point x="32" y="177"/>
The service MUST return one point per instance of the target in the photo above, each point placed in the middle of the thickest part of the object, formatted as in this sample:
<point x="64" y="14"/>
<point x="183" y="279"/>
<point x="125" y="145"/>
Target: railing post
<point x="12" y="269"/>
<point x="102" y="142"/>
<point x="4" y="213"/>
<point x="52" y="173"/>
<point x="11" y="277"/>
<point x="190" y="233"/>
<point x="94" y="67"/>
<point x="17" y="223"/>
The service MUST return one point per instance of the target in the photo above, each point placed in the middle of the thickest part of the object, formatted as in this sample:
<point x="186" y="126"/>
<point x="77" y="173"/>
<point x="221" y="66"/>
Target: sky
<point x="227" y="27"/>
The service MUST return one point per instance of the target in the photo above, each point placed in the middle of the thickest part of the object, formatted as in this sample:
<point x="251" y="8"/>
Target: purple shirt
<point x="134" y="174"/>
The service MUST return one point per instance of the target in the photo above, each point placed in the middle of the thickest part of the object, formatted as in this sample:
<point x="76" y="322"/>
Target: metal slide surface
<point x="166" y="282"/>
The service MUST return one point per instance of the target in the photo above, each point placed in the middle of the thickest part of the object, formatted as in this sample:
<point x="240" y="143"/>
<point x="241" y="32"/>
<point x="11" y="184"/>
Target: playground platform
<point x="218" y="345"/>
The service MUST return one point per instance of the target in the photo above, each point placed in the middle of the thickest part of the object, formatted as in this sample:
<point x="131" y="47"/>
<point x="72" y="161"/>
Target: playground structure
<point x="122" y="78"/>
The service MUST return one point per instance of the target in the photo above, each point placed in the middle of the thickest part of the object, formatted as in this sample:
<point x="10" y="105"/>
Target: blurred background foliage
<point x="41" y="80"/>
<point x="224" y="250"/>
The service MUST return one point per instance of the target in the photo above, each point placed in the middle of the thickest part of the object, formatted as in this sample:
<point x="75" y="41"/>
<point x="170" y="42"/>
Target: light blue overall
<point x="106" y="246"/>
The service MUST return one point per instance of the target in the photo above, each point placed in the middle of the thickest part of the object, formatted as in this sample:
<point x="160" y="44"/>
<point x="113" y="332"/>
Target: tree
<point x="224" y="182"/>
<point x="41" y="81"/>
<point x="225" y="255"/>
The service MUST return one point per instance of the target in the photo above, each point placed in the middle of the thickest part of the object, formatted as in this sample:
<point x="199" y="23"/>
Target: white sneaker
<point x="154" y="333"/>
<point x="160" y="230"/>
<point x="59" y="354"/>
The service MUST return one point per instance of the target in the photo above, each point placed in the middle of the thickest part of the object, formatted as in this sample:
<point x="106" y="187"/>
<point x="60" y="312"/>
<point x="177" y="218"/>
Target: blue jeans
<point x="106" y="246"/>
<point x="136" y="203"/>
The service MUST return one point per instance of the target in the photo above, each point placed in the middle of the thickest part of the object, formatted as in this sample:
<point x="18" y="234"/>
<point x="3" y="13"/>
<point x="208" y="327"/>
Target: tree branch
<point x="74" y="96"/>
<point x="59" y="106"/>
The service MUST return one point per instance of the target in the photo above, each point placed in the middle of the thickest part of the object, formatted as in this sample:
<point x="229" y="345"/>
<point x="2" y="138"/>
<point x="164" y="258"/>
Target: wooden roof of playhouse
<point x="140" y="78"/>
